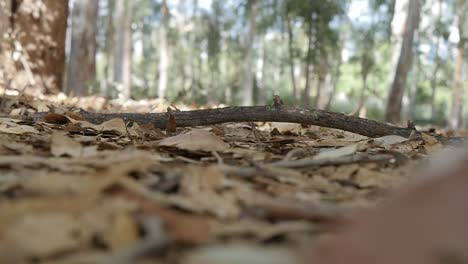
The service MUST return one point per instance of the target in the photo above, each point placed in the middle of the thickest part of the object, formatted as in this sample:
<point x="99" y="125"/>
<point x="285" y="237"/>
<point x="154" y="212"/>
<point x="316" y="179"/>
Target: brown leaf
<point x="74" y="116"/>
<point x="116" y="125"/>
<point x="200" y="191"/>
<point x="64" y="145"/>
<point x="196" y="140"/>
<point x="10" y="126"/>
<point x="44" y="234"/>
<point x="123" y="231"/>
<point x="54" y="118"/>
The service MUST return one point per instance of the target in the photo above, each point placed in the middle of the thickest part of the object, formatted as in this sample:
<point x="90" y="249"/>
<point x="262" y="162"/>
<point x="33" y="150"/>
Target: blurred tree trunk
<point x="81" y="71"/>
<point x="109" y="48"/>
<point x="455" y="110"/>
<point x="123" y="48"/>
<point x="248" y="82"/>
<point x="292" y="67"/>
<point x="181" y="53"/>
<point x="414" y="88"/>
<point x="5" y="11"/>
<point x="334" y="80"/>
<point x="192" y="51"/>
<point x="365" y="68"/>
<point x="214" y="51"/>
<point x="437" y="63"/>
<point x="260" y="94"/>
<point x="434" y="75"/>
<point x="306" y="95"/>
<point x="5" y="48"/>
<point x="362" y="97"/>
<point x="415" y="75"/>
<point x="37" y="30"/>
<point x="402" y="42"/>
<point x="323" y="91"/>
<point x="163" y="51"/>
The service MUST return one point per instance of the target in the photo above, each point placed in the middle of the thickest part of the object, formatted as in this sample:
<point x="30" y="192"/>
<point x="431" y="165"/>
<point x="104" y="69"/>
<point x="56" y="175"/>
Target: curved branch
<point x="277" y="113"/>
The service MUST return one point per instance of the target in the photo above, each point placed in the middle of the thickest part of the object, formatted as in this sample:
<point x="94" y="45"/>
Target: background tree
<point x="248" y="85"/>
<point x="457" y="95"/>
<point x="403" y="35"/>
<point x="163" y="50"/>
<point x="123" y="48"/>
<point x="335" y="54"/>
<point x="81" y="69"/>
<point x="36" y="36"/>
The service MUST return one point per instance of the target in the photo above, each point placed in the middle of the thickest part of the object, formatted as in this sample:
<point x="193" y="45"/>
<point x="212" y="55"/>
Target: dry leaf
<point x="44" y="234"/>
<point x="200" y="191"/>
<point x="86" y="124"/>
<point x="195" y="140"/>
<point x="10" y="126"/>
<point x="122" y="232"/>
<point x="63" y="145"/>
<point x="115" y="125"/>
<point x="431" y="143"/>
<point x="287" y="127"/>
<point x="388" y="140"/>
<point x="54" y="118"/>
<point x="336" y="153"/>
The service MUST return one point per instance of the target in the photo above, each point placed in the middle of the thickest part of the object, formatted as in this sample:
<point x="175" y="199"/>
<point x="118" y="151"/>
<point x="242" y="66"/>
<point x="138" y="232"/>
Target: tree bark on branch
<point x="362" y="126"/>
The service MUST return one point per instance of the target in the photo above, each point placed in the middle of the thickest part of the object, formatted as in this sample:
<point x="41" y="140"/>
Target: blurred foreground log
<point x="426" y="224"/>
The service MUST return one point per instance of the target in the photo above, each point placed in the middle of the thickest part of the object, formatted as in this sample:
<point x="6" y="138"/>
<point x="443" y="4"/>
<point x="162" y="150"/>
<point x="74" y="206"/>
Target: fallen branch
<point x="362" y="126"/>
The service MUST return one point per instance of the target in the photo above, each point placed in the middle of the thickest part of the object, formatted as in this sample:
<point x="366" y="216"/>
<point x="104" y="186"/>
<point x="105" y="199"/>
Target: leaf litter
<point x="118" y="192"/>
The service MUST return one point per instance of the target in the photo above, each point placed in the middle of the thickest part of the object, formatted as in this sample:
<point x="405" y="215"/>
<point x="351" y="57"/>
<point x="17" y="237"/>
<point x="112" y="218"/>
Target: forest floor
<point x="121" y="192"/>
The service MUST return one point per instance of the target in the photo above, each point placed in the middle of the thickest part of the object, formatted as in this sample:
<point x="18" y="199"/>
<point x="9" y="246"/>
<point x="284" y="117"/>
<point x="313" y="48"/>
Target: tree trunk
<point x="334" y="82"/>
<point x="291" y="59"/>
<point x="260" y="73"/>
<point x="415" y="74"/>
<point x="81" y="71"/>
<point x="109" y="48"/>
<point x="402" y="55"/>
<point x="249" y="58"/>
<point x="192" y="52"/>
<point x="123" y="48"/>
<point x="436" y="66"/>
<point x="362" y="97"/>
<point x="7" y="66"/>
<point x="181" y="54"/>
<point x="455" y="111"/>
<point x="306" y="95"/>
<point x="38" y="33"/>
<point x="414" y="89"/>
<point x="322" y="89"/>
<point x="434" y="82"/>
<point x="163" y="51"/>
<point x="5" y="12"/>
